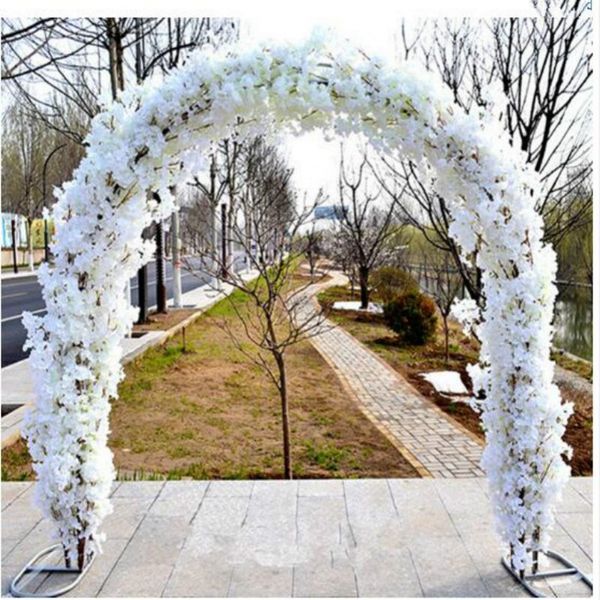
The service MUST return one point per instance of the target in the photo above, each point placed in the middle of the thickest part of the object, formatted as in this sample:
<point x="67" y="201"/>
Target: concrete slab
<point x="332" y="538"/>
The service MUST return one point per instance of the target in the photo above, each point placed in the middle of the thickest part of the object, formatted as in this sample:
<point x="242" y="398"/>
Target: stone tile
<point x="322" y="521"/>
<point x="445" y="568"/>
<point x="104" y="563"/>
<point x="255" y="580"/>
<point x="579" y="526"/>
<point x="37" y="539"/>
<point x="179" y="498"/>
<point x="230" y="488"/>
<point x="191" y="578"/>
<point x="372" y="561"/>
<point x="10" y="494"/>
<point x="138" y="489"/>
<point x="324" y="578"/>
<point x="573" y="501"/>
<point x="320" y="487"/>
<point x="137" y="579"/>
<point x="128" y="513"/>
<point x="584" y="485"/>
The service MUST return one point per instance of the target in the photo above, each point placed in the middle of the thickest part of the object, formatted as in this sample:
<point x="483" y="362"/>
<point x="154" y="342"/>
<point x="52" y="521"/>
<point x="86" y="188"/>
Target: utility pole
<point x="175" y="250"/>
<point x="161" y="288"/>
<point x="224" y="240"/>
<point x="46" y="236"/>
<point x="13" y="234"/>
<point x="142" y="274"/>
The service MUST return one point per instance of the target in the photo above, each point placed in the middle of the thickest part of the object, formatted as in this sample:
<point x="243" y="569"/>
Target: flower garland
<point x="153" y="138"/>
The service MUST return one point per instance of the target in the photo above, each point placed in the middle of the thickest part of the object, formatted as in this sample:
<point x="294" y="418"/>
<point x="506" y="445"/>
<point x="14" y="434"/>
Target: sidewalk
<point x="437" y="445"/>
<point x="23" y="272"/>
<point x="369" y="537"/>
<point x="17" y="386"/>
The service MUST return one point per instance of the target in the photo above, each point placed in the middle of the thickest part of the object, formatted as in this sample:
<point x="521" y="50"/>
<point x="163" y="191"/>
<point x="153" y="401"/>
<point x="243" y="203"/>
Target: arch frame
<point x="154" y="137"/>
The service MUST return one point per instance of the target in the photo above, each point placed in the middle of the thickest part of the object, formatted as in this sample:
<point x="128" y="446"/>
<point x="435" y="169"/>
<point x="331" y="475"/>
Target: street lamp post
<point x="46" y="236"/>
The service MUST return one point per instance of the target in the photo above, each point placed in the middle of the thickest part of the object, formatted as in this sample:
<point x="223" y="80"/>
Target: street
<point x="24" y="294"/>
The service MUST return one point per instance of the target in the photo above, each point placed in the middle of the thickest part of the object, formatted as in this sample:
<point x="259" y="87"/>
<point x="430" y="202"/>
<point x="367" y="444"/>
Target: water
<point x="573" y="320"/>
<point x="572" y="317"/>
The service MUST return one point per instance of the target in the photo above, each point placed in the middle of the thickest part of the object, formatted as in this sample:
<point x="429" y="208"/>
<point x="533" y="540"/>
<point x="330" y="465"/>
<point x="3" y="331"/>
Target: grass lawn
<point x="410" y="361"/>
<point x="211" y="413"/>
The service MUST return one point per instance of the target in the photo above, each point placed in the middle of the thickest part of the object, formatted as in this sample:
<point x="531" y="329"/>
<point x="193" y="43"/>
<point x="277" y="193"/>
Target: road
<point x="24" y="294"/>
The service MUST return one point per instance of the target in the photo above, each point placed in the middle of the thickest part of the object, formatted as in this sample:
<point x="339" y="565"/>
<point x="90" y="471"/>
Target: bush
<point x="391" y="282"/>
<point x="412" y="317"/>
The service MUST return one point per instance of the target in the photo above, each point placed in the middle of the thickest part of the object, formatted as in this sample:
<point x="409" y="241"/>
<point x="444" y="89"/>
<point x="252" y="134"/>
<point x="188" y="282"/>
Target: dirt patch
<point x="210" y="412"/>
<point x="411" y="361"/>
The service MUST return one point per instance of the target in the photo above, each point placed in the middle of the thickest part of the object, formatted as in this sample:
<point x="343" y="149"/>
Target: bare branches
<point x="366" y="220"/>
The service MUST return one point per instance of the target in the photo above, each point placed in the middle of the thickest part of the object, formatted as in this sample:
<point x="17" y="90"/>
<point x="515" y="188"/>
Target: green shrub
<point x="412" y="317"/>
<point x="391" y="282"/>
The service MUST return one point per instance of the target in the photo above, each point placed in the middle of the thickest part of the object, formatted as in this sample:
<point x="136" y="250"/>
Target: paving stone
<point x="320" y="487"/>
<point x="573" y="501"/>
<point x="182" y="498"/>
<point x="251" y="580"/>
<point x="136" y="580"/>
<point x="322" y="521"/>
<point x="104" y="563"/>
<point x="138" y="489"/>
<point x="191" y="578"/>
<point x="128" y="513"/>
<point x="446" y="568"/>
<point x="579" y="529"/>
<point x="391" y="400"/>
<point x="583" y="485"/>
<point x="9" y="494"/>
<point x="230" y="488"/>
<point x="34" y="541"/>
<point x="385" y="570"/>
<point x="324" y="578"/>
<point x="396" y="537"/>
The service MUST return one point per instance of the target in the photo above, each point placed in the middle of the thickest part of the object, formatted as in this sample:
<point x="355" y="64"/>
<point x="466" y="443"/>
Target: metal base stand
<point x="31" y="567"/>
<point x="570" y="569"/>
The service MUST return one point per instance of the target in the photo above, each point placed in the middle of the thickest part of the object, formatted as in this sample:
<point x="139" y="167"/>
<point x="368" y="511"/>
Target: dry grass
<point x="211" y="413"/>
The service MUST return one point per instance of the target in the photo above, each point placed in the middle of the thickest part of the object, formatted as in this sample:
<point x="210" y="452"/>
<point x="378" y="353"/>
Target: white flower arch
<point x="153" y="138"/>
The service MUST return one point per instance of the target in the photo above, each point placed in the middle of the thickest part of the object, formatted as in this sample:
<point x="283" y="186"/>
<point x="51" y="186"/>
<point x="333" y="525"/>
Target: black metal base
<point x="31" y="567"/>
<point x="570" y="569"/>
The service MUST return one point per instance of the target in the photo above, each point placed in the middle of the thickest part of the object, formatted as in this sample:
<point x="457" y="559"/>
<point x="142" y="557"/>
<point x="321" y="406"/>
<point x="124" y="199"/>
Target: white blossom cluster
<point x="154" y="137"/>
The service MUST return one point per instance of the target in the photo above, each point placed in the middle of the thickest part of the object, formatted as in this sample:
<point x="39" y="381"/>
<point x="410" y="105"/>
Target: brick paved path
<point x="439" y="444"/>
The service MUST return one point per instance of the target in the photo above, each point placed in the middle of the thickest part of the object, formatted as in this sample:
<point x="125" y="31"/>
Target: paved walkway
<point x="369" y="537"/>
<point x="439" y="446"/>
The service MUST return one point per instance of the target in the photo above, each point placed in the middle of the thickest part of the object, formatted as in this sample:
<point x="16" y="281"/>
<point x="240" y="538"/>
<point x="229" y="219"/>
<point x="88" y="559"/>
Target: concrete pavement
<point x="369" y="537"/>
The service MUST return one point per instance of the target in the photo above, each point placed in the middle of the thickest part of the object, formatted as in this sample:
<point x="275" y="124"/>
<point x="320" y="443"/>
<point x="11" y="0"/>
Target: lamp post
<point x="46" y="236"/>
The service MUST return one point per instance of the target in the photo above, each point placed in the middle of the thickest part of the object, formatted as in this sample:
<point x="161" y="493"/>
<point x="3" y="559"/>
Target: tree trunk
<point x="13" y="229"/>
<point x="363" y="280"/>
<point x="446" y="338"/>
<point x="285" y="417"/>
<point x="30" y="244"/>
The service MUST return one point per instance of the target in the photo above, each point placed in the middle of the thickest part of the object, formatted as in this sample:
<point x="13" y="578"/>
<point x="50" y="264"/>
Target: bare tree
<point x="275" y="313"/>
<point x="312" y="241"/>
<point x="366" y="220"/>
<point x="543" y="65"/>
<point x="445" y="287"/>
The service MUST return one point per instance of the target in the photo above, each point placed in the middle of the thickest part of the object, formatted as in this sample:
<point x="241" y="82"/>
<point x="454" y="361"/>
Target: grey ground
<point x="386" y="537"/>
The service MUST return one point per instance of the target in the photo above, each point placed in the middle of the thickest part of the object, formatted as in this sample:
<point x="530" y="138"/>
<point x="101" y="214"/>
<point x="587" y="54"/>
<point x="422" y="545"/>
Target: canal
<point x="573" y="320"/>
<point x="572" y="315"/>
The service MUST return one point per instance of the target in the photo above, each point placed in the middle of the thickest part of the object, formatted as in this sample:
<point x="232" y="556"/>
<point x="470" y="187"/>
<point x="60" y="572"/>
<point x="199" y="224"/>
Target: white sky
<point x="375" y="28"/>
<point x="314" y="160"/>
